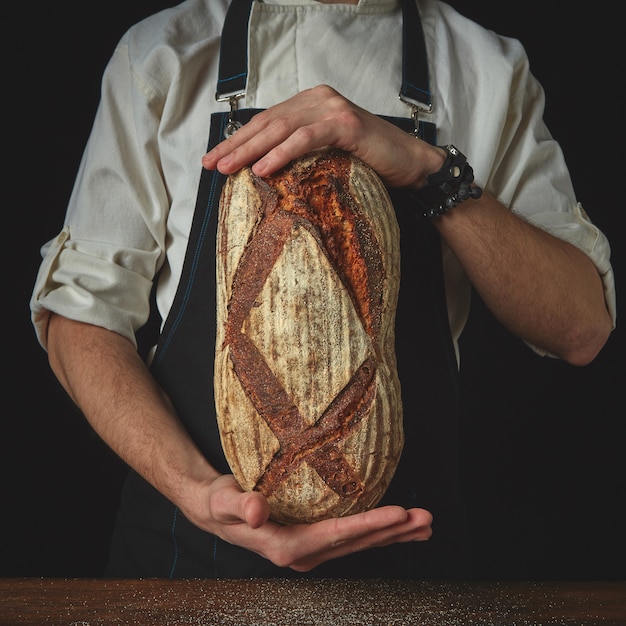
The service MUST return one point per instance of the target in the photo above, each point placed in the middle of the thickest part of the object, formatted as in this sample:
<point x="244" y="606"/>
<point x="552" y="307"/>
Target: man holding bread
<point x="263" y="84"/>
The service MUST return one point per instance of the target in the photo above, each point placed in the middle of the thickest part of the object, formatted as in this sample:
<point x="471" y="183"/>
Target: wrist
<point x="190" y="489"/>
<point x="432" y="160"/>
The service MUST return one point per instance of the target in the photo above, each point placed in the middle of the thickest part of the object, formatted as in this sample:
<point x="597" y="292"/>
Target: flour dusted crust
<point x="306" y="387"/>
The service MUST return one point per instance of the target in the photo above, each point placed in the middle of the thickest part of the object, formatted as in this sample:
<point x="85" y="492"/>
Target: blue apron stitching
<point x="215" y="556"/>
<point x="424" y="91"/>
<point x="196" y="257"/>
<point x="225" y="80"/>
<point x="174" y="540"/>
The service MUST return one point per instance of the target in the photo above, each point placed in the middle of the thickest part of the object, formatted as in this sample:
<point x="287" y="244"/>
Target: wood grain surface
<point x="304" y="602"/>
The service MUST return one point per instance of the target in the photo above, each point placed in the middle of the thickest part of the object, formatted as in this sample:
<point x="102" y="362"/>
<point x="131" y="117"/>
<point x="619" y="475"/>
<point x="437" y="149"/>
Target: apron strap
<point x="233" y="69"/>
<point x="201" y="238"/>
<point x="415" y="87"/>
<point x="233" y="72"/>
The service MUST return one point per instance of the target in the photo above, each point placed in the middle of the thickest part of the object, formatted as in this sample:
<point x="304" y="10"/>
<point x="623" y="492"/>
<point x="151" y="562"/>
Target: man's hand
<point x="321" y="117"/>
<point x="242" y="518"/>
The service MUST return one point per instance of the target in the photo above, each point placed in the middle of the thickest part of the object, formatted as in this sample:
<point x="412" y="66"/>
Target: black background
<point x="544" y="460"/>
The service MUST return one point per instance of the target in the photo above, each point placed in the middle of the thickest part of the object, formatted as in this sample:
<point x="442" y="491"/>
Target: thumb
<point x="255" y="509"/>
<point x="231" y="505"/>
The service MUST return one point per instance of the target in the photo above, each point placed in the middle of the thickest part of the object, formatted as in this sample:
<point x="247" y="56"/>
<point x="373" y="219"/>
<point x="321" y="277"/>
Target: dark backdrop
<point x="544" y="459"/>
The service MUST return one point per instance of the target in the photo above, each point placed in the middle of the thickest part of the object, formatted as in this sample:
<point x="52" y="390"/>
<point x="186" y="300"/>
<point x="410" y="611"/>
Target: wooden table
<point x="86" y="602"/>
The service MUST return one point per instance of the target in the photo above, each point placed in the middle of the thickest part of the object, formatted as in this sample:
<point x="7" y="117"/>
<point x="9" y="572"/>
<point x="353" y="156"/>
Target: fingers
<point x="304" y="547"/>
<point x="304" y="139"/>
<point x="270" y="150"/>
<point x="416" y="526"/>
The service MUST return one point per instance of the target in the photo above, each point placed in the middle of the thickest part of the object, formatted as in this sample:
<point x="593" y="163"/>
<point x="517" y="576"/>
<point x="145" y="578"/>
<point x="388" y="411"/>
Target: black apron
<point x="152" y="538"/>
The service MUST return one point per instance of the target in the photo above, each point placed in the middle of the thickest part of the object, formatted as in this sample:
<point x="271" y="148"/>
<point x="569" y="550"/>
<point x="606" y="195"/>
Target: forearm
<point x="543" y="289"/>
<point x="105" y="377"/>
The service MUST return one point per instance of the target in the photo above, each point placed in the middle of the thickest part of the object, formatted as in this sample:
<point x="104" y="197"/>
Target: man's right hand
<point x="242" y="518"/>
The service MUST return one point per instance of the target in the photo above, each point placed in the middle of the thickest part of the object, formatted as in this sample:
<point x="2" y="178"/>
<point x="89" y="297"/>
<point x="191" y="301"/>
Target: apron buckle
<point x="415" y="111"/>
<point x="233" y="125"/>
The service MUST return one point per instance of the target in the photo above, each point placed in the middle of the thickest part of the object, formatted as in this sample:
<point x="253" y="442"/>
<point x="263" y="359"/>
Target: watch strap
<point x="447" y="187"/>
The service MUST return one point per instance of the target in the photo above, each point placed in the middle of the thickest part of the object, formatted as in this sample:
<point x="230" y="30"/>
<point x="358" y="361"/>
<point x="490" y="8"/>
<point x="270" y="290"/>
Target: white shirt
<point x="132" y="205"/>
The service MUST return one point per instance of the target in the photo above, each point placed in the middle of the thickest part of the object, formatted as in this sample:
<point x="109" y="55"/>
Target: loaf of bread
<point x="306" y="386"/>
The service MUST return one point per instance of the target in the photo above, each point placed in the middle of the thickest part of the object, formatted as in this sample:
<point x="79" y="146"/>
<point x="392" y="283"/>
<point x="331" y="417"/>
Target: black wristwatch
<point x="448" y="187"/>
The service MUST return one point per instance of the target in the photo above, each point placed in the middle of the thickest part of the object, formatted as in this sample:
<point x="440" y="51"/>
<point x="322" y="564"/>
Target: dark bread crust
<point x="320" y="194"/>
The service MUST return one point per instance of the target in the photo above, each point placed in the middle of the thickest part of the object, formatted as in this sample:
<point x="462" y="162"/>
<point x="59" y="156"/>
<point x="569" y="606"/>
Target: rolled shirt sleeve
<point x="496" y="119"/>
<point x="99" y="269"/>
<point x="91" y="282"/>
<point x="532" y="178"/>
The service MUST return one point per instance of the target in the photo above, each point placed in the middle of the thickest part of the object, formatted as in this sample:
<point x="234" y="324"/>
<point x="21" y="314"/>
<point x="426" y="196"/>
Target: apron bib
<point x="152" y="537"/>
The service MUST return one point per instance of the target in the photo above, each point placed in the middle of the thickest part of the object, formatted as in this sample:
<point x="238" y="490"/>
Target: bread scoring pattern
<point x="313" y="427"/>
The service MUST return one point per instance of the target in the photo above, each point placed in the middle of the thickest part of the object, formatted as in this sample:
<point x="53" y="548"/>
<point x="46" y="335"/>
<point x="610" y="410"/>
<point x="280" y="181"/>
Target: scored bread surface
<point x="306" y="388"/>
